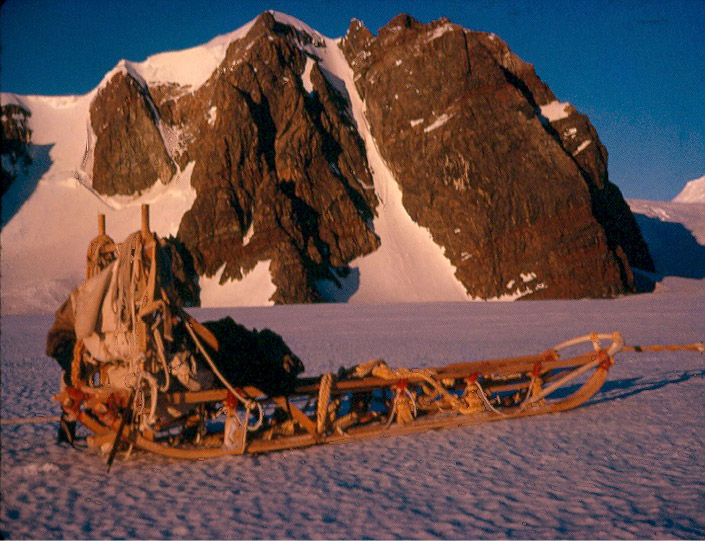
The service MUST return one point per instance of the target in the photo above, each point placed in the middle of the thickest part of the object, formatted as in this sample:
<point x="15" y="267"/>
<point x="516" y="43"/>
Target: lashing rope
<point x="249" y="404"/>
<point x="324" y="389"/>
<point x="694" y="346"/>
<point x="403" y="393"/>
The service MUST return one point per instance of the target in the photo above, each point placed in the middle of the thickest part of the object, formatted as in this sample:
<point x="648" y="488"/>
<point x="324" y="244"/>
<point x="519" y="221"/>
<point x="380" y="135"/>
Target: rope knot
<point x="231" y="401"/>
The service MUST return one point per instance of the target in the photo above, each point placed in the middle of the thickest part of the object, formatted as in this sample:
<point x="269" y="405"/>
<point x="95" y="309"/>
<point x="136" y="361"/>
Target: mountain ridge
<point x="309" y="259"/>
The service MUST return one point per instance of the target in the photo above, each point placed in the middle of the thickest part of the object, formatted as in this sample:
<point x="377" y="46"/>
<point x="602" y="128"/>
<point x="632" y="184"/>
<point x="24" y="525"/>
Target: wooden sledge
<point x="405" y="402"/>
<point x="369" y="400"/>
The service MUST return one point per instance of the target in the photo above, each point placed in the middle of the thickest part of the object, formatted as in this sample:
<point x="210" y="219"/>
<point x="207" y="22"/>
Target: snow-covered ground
<point x="628" y="464"/>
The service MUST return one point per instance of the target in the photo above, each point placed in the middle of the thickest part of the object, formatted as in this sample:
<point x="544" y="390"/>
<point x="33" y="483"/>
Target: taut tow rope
<point x="28" y="420"/>
<point x="695" y="346"/>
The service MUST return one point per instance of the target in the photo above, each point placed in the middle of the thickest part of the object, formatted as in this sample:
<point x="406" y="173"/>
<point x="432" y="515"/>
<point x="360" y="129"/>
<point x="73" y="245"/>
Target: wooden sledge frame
<point x="599" y="361"/>
<point x="456" y="394"/>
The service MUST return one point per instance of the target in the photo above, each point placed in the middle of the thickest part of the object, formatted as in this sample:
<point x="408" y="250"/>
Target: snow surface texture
<point x="628" y="464"/>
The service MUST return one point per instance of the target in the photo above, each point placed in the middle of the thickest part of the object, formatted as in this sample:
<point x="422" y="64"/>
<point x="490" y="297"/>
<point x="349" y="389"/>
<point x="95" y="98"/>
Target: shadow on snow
<point x="674" y="249"/>
<point x="627" y="387"/>
<point x="26" y="182"/>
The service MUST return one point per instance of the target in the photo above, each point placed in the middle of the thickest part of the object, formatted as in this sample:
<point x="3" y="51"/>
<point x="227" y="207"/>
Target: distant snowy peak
<point x="694" y="192"/>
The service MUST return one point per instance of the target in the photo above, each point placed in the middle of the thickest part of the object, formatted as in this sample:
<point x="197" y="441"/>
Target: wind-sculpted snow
<point x="628" y="464"/>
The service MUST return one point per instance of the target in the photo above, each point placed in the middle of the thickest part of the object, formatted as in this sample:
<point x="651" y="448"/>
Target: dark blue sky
<point x="637" y="69"/>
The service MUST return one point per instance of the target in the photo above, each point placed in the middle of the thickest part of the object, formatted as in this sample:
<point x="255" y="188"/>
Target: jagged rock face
<point x="511" y="183"/>
<point x="279" y="172"/>
<point x="518" y="199"/>
<point x="579" y="139"/>
<point x="130" y="154"/>
<point x="15" y="140"/>
<point x="185" y="286"/>
<point x="278" y="162"/>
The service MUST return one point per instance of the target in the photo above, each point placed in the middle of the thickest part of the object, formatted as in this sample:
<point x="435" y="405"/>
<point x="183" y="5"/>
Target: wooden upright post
<point x="145" y="221"/>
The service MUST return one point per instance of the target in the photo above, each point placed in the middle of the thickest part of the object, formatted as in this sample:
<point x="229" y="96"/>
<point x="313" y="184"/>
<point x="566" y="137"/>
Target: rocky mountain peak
<point x="279" y="168"/>
<point x="466" y="125"/>
<point x="292" y="143"/>
<point x="401" y="22"/>
<point x="357" y="37"/>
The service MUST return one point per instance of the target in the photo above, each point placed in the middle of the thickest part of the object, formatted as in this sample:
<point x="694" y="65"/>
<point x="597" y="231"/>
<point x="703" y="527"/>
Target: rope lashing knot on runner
<point x="473" y="402"/>
<point x="231" y="402"/>
<point x="322" y="410"/>
<point x="72" y="403"/>
<point x="550" y="355"/>
<point x="403" y="405"/>
<point x="606" y="361"/>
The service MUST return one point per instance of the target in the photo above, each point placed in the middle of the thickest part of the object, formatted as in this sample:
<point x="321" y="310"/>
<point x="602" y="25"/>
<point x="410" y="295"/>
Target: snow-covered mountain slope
<point x="694" y="192"/>
<point x="189" y="68"/>
<point x="675" y="232"/>
<point x="49" y="216"/>
<point x="690" y="215"/>
<point x="49" y="213"/>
